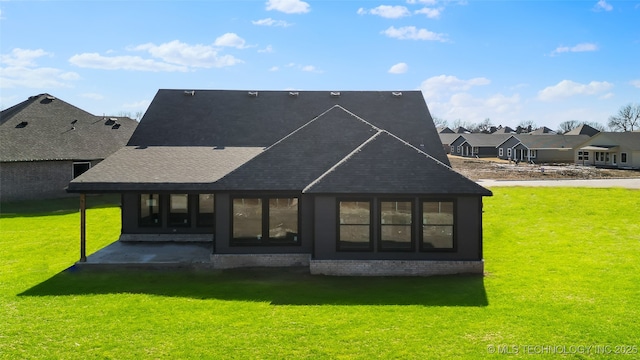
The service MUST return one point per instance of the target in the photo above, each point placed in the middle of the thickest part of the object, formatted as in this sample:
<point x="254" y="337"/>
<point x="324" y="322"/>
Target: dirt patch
<point x="496" y="169"/>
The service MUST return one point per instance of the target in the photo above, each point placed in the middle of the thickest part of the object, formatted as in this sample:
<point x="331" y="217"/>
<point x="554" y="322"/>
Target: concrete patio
<point x="150" y="255"/>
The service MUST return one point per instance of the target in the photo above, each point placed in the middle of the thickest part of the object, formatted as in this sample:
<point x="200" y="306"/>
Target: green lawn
<point x="563" y="273"/>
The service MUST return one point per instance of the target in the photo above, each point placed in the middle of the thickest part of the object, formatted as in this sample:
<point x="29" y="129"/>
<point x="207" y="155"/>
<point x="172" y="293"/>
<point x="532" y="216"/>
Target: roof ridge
<point x="300" y="128"/>
<point x="343" y="160"/>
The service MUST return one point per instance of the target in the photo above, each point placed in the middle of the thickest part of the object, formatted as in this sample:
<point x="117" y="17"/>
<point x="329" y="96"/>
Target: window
<point x="532" y="154"/>
<point x="179" y="210"/>
<point x="354" y="230"/>
<point x="206" y="204"/>
<point x="475" y="150"/>
<point x="437" y="226"/>
<point x="459" y="151"/>
<point x="500" y="152"/>
<point x="265" y="221"/>
<point x="247" y="221"/>
<point x="149" y="210"/>
<point x="509" y="152"/>
<point x="395" y="225"/>
<point x="283" y="220"/>
<point x="584" y="155"/>
<point x="623" y="157"/>
<point x="80" y="167"/>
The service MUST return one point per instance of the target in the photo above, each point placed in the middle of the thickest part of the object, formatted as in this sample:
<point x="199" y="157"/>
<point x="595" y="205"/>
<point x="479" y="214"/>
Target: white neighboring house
<point x="610" y="149"/>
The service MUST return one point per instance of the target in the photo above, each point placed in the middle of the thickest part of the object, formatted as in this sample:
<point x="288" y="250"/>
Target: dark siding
<point x="468" y="234"/>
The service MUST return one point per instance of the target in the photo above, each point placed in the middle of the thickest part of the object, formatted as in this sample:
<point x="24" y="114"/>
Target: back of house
<point x="344" y="182"/>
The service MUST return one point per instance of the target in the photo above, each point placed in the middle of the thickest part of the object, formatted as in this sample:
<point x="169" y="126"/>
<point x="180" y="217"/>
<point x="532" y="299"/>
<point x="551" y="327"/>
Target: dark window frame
<point x="421" y="242"/>
<point x="264" y="240"/>
<point x="623" y="157"/>
<point x="199" y="221"/>
<point x="339" y="224"/>
<point x="379" y="240"/>
<point x="170" y="214"/>
<point x="141" y="222"/>
<point x="74" y="173"/>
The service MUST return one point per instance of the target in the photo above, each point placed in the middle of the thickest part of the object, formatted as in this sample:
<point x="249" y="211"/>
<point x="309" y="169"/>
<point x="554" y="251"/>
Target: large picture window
<point x="395" y="225"/>
<point x="265" y="221"/>
<point x="354" y="230"/>
<point x="206" y="206"/>
<point x="150" y="210"/>
<point x="438" y="220"/>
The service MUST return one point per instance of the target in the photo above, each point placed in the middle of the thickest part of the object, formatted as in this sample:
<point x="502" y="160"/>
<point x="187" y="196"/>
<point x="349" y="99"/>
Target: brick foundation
<point x="230" y="261"/>
<point x="394" y="267"/>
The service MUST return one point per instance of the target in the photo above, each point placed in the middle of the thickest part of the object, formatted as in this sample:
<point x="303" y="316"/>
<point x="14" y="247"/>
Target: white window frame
<point x="532" y="154"/>
<point x="459" y="152"/>
<point x="500" y="152"/>
<point x="508" y="152"/>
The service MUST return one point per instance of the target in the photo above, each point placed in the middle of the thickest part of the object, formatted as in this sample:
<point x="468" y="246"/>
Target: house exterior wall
<point x="632" y="154"/>
<point x="505" y="146"/>
<point x="487" y="151"/>
<point x="33" y="180"/>
<point x="554" y="155"/>
<point x="457" y="148"/>
<point x="468" y="233"/>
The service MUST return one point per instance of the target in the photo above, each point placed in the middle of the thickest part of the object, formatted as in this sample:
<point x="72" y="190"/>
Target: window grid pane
<point x="437" y="225"/>
<point x="395" y="225"/>
<point x="283" y="219"/>
<point x="150" y="210"/>
<point x="355" y="225"/>
<point x="179" y="210"/>
<point x="247" y="220"/>
<point x="206" y="203"/>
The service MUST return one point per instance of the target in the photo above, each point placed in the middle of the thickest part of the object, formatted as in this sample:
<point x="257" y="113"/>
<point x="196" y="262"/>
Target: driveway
<point x="594" y="183"/>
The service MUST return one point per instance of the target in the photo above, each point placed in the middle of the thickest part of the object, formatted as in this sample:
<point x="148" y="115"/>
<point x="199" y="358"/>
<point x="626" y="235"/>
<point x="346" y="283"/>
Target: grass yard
<point x="563" y="274"/>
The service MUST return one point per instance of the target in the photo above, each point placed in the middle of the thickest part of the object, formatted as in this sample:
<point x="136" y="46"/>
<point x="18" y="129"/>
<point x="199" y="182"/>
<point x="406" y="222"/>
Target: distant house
<point x="477" y="145"/>
<point x="347" y="183"/>
<point x="504" y="130"/>
<point x="446" y="139"/>
<point x="542" y="131"/>
<point x="461" y="130"/>
<point x="610" y="149"/>
<point x="444" y="130"/>
<point x="45" y="142"/>
<point x="540" y="149"/>
<point x="583" y="129"/>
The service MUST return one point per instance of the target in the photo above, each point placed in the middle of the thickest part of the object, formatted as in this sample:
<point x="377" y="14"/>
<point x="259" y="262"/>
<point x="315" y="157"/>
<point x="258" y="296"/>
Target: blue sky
<point x="510" y="61"/>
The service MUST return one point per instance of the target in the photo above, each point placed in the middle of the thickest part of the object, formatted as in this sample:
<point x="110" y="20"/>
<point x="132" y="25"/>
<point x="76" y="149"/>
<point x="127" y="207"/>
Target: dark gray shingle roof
<point x="46" y="128"/>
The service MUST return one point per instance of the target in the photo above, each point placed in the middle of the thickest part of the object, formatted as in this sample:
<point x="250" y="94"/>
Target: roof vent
<point x="335" y="93"/>
<point x="74" y="121"/>
<point x="116" y="126"/>
<point x="22" y="125"/>
<point x="49" y="97"/>
<point x="253" y="93"/>
<point x="189" y="93"/>
<point x="110" y="122"/>
<point x="294" y="93"/>
<point x="396" y="93"/>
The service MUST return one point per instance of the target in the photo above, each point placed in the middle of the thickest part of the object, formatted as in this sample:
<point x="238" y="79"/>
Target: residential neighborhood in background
<point x="46" y="142"/>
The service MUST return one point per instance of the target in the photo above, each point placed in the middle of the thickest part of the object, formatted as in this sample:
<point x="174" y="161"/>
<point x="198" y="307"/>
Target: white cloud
<point x="309" y="68"/>
<point x="603" y="5"/>
<point x="274" y="68"/>
<point x="583" y="47"/>
<point x="201" y="56"/>
<point x="412" y="33"/>
<point x="271" y="22"/>
<point x="268" y="49"/>
<point x="428" y="2"/>
<point x="97" y="61"/>
<point x="230" y="40"/>
<point x="442" y="85"/>
<point x="387" y="11"/>
<point x="635" y="83"/>
<point x="288" y="6"/>
<point x="568" y="88"/>
<point x="399" y="68"/>
<point x="431" y="13"/>
<point x="22" y="71"/>
<point x="470" y="108"/>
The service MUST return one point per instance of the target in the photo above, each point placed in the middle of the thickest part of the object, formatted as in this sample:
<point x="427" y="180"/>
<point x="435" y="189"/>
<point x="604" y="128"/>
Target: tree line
<point x="627" y="119"/>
